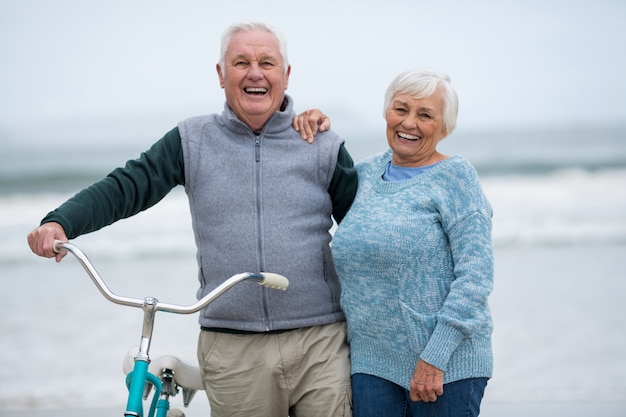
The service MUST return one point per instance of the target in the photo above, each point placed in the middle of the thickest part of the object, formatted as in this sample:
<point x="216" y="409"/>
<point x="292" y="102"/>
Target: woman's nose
<point x="409" y="122"/>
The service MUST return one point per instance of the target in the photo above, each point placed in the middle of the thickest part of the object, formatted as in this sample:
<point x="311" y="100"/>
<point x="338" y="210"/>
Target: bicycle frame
<point x="140" y="376"/>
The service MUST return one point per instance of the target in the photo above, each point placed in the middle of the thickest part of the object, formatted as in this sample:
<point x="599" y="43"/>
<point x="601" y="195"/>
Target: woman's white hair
<point x="252" y="26"/>
<point x="422" y="83"/>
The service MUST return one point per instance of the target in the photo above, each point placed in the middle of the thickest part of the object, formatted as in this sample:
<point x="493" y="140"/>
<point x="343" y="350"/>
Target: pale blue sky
<point x="525" y="63"/>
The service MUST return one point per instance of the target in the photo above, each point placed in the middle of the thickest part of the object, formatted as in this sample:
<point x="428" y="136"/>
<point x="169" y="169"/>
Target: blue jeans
<point x="375" y="397"/>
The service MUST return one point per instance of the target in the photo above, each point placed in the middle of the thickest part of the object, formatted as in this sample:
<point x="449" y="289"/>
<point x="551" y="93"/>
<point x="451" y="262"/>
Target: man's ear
<point x="219" y="74"/>
<point x="287" y="76"/>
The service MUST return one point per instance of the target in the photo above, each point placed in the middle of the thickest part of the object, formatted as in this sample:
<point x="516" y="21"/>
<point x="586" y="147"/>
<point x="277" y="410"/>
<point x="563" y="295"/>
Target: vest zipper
<point x="257" y="156"/>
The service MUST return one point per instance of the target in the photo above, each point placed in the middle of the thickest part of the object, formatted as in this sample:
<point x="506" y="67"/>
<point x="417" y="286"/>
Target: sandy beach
<point x="489" y="409"/>
<point x="559" y="320"/>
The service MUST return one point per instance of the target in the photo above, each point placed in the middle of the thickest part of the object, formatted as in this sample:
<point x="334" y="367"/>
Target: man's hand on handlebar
<point x="41" y="240"/>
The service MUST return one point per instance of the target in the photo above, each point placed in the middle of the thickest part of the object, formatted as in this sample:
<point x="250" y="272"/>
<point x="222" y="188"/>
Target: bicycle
<point x="168" y="374"/>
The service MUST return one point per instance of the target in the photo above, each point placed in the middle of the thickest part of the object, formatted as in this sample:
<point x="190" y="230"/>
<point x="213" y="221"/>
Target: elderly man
<point x="261" y="199"/>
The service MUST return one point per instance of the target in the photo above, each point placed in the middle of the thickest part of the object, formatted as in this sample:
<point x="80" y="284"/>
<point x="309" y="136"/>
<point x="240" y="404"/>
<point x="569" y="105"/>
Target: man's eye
<point x="267" y="64"/>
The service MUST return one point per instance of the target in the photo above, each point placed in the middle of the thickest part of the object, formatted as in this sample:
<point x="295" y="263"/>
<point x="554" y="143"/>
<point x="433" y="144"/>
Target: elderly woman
<point x="415" y="260"/>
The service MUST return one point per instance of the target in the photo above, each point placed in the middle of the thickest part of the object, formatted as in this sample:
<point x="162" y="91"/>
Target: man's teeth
<point x="407" y="136"/>
<point x="255" y="90"/>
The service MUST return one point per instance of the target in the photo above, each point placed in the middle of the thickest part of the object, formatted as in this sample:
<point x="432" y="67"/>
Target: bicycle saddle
<point x="183" y="363"/>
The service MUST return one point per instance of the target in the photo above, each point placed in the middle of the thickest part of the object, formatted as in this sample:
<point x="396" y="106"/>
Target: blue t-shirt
<point x="399" y="173"/>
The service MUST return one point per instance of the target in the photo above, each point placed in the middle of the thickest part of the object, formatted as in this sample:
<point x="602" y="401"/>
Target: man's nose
<point x="254" y="71"/>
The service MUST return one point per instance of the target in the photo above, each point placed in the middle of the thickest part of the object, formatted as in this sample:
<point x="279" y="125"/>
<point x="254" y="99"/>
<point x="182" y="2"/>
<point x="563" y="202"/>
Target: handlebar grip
<point x="275" y="281"/>
<point x="57" y="246"/>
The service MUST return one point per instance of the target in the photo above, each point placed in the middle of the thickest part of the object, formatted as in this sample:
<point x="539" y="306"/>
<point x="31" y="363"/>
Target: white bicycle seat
<point x="183" y="363"/>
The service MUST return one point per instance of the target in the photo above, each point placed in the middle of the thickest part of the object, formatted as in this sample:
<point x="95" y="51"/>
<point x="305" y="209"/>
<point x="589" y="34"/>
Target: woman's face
<point x="414" y="128"/>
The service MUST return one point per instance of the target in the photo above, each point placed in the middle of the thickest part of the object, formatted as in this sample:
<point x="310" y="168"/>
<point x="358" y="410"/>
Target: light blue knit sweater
<point x="415" y="261"/>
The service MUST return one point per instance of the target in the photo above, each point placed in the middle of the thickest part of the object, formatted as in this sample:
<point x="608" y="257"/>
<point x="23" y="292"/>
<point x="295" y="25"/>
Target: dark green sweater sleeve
<point x="126" y="191"/>
<point x="343" y="185"/>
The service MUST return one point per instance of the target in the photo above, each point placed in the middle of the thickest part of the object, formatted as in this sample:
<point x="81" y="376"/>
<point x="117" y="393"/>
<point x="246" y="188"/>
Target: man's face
<point x="254" y="77"/>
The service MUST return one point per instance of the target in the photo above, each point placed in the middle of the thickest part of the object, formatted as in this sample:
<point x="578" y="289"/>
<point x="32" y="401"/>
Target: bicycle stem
<point x="149" y="313"/>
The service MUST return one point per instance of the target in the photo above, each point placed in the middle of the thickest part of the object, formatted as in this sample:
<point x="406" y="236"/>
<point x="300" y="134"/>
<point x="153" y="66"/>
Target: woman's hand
<point x="309" y="123"/>
<point x="427" y="382"/>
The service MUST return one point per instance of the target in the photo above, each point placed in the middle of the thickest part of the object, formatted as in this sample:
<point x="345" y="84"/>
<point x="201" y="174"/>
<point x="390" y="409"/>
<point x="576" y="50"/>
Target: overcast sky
<point x="525" y="63"/>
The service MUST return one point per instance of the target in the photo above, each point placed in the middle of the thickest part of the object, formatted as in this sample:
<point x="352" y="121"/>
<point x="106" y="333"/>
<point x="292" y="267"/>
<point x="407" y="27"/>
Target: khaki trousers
<point x="297" y="373"/>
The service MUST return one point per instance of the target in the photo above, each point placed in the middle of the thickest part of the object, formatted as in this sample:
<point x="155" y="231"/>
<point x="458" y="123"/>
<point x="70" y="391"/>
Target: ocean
<point x="559" y="234"/>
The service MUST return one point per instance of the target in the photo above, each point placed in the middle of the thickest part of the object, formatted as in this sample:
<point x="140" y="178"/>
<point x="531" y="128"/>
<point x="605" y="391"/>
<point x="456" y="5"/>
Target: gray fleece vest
<point x="260" y="203"/>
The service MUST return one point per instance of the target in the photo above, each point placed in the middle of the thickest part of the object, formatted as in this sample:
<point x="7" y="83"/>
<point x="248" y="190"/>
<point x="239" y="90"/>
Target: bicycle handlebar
<point x="266" y="279"/>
